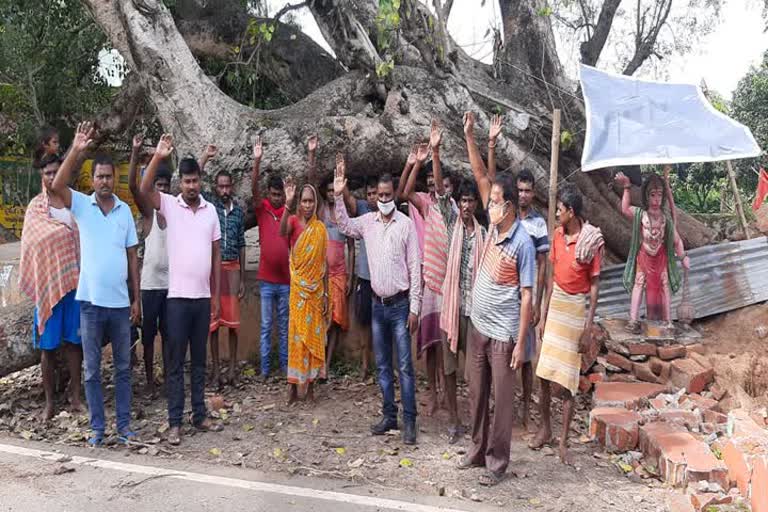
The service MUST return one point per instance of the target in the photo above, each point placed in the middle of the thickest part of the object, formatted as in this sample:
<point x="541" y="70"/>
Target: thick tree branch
<point x="645" y="42"/>
<point x="593" y="47"/>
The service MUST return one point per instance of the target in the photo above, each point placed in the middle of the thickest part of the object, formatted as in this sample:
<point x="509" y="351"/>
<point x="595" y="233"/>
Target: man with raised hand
<point x="109" y="261"/>
<point x="194" y="265"/>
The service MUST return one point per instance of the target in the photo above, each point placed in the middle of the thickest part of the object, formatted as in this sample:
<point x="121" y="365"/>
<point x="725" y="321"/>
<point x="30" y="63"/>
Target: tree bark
<point x="374" y="126"/>
<point x="592" y="48"/>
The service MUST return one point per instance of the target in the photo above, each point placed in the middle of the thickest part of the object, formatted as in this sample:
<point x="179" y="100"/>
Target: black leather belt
<point x="388" y="301"/>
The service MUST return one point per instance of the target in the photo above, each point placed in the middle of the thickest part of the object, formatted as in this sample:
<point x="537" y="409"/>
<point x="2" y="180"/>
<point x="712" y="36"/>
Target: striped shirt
<point x="536" y="226"/>
<point x="508" y="264"/>
<point x="466" y="270"/>
<point x="438" y="230"/>
<point x="393" y="252"/>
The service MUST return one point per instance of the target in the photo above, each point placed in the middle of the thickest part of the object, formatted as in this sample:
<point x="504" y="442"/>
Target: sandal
<point x="127" y="437"/>
<point x="490" y="478"/>
<point x="174" y="436"/>
<point x="96" y="440"/>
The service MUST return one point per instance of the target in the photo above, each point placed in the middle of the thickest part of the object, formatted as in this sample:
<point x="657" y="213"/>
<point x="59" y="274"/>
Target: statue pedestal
<point x="652" y="332"/>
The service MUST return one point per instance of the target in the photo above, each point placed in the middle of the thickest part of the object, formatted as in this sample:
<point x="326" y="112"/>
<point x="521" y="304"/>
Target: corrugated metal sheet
<point x="723" y="277"/>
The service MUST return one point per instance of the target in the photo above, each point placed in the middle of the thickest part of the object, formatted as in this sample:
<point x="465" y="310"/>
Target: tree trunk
<point x="16" y="352"/>
<point x="375" y="122"/>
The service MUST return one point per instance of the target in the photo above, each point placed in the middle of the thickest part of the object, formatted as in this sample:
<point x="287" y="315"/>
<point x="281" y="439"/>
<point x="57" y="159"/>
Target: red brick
<point x="594" y="378"/>
<point x="619" y="361"/>
<point x="641" y="349"/>
<point x="738" y="469"/>
<point x="659" y="367"/>
<point x="589" y="357"/>
<point x="686" y="418"/>
<point x="658" y="403"/>
<point x="702" y="360"/>
<point x="701" y="501"/>
<point x="718" y="393"/>
<point x="615" y="428"/>
<point x="671" y="352"/>
<point x="688" y="374"/>
<point x="681" y="458"/>
<point x="643" y="372"/>
<point x="679" y="503"/>
<point x="585" y="385"/>
<point x="624" y="394"/>
<point x="715" y="417"/>
<point x="705" y="404"/>
<point x="697" y="348"/>
<point x="626" y="378"/>
<point x="759" y="498"/>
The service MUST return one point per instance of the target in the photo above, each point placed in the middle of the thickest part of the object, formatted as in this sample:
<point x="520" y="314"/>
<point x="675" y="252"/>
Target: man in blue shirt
<point x="109" y="260"/>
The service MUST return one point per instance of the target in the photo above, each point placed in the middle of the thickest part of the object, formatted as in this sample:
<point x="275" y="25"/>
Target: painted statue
<point x="651" y="264"/>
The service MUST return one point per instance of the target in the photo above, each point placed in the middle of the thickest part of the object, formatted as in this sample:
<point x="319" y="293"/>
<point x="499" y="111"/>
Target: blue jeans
<point x="272" y="294"/>
<point x="390" y="323"/>
<point x="188" y="324"/>
<point x="96" y="323"/>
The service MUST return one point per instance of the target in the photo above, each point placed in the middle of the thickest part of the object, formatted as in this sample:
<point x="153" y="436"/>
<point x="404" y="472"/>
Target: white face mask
<point x="496" y="213"/>
<point x="386" y="208"/>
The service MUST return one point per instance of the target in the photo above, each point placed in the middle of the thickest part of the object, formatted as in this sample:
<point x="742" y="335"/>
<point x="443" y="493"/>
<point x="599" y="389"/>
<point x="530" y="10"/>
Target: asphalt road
<point x="35" y="479"/>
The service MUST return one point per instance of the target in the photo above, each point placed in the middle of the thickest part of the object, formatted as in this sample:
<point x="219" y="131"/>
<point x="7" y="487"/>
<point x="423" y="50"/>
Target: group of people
<point x="438" y="274"/>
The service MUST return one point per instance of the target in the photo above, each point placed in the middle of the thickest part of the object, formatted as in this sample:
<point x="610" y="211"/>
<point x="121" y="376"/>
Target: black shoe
<point x="409" y="432"/>
<point x="384" y="426"/>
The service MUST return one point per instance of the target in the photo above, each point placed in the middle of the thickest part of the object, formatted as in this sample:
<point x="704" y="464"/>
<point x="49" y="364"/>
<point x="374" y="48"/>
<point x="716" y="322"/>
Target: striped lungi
<point x="560" y="361"/>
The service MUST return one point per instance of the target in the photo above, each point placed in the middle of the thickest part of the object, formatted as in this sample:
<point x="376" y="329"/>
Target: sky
<point x="720" y="60"/>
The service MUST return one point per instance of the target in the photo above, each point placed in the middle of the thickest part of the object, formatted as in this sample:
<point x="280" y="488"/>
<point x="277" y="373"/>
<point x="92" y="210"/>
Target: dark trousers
<point x="390" y="324"/>
<point x="188" y="322"/>
<point x="488" y="365"/>
<point x="154" y="318"/>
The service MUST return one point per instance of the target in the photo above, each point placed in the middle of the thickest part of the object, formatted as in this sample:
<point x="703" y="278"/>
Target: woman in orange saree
<point x="308" y="313"/>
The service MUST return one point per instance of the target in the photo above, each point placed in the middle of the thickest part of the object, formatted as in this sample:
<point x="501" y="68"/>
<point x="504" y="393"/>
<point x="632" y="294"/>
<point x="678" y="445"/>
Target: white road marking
<point x="353" y="499"/>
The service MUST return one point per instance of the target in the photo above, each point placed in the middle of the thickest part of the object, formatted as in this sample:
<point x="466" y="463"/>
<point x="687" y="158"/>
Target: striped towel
<point x="560" y="361"/>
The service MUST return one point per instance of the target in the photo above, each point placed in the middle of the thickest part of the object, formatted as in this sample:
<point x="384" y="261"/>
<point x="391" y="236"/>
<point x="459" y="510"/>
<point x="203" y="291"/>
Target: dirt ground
<point x="331" y="439"/>
<point x="737" y="343"/>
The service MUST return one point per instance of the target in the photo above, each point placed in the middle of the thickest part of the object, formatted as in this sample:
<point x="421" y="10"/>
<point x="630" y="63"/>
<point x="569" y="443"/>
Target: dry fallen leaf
<point x="406" y="463"/>
<point x="341" y="450"/>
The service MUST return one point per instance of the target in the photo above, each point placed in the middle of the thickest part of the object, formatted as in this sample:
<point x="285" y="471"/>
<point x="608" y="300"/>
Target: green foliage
<point x="260" y="30"/>
<point x="545" y="11"/>
<point x="49" y="59"/>
<point x="566" y="140"/>
<point x="750" y="107"/>
<point x="697" y="187"/>
<point x="243" y="82"/>
<point x="385" y="68"/>
<point x="387" y="24"/>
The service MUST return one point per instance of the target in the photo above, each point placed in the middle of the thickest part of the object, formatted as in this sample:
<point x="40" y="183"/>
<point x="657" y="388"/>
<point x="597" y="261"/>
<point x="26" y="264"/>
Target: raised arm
<point x="400" y="194"/>
<point x="257" y="153"/>
<point x="208" y="153"/>
<point x="133" y="178"/>
<point x="148" y="191"/>
<point x="290" y="192"/>
<point x="410" y="188"/>
<point x="349" y="201"/>
<point x="350" y="227"/>
<point x="312" y="176"/>
<point x="435" y="137"/>
<point x="626" y="198"/>
<point x="476" y="161"/>
<point x="493" y="135"/>
<point x="83" y="139"/>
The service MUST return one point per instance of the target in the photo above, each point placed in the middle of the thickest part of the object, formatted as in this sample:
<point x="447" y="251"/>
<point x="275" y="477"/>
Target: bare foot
<point x="432" y="405"/>
<point x="47" y="413"/>
<point x="310" y="396"/>
<point x="564" y="456"/>
<point x="543" y="437"/>
<point x="292" y="394"/>
<point x="75" y="405"/>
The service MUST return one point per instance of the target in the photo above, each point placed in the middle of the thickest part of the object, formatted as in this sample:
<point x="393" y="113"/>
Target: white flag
<point x="634" y="122"/>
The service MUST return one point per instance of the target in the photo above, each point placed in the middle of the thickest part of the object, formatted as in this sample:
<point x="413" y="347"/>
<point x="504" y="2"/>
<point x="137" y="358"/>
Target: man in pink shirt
<point x="193" y="254"/>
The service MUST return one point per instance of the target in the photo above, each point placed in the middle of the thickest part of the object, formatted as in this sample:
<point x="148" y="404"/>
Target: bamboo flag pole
<point x="737" y="199"/>
<point x="553" y="165"/>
